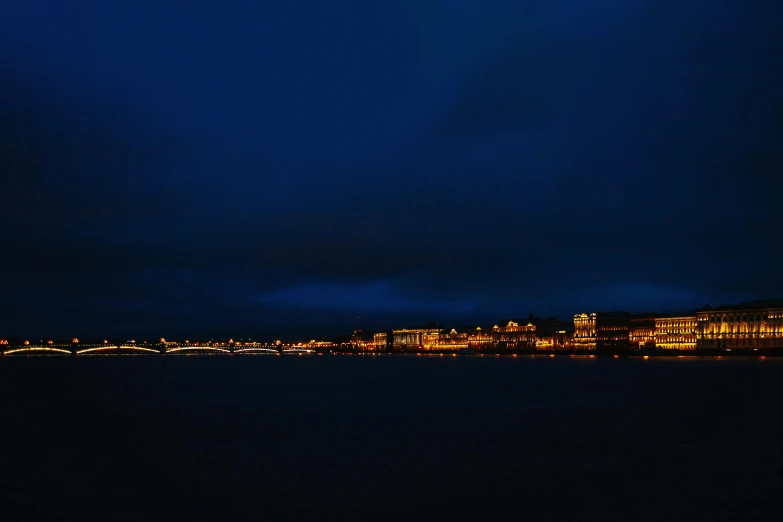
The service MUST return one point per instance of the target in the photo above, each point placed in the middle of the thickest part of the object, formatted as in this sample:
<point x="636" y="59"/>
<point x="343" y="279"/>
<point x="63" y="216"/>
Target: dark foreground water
<point x="389" y="438"/>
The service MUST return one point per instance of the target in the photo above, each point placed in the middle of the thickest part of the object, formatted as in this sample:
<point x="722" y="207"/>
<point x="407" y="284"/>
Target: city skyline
<point x="760" y="321"/>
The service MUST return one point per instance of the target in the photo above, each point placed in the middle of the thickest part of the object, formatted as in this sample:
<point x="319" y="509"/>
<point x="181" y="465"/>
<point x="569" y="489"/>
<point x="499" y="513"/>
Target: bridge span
<point x="192" y="350"/>
<point x="38" y="350"/>
<point x="257" y="350"/>
<point x="117" y="350"/>
<point x="134" y="349"/>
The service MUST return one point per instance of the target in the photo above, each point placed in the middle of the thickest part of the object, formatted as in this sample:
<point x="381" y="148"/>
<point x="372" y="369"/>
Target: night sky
<point x="194" y="168"/>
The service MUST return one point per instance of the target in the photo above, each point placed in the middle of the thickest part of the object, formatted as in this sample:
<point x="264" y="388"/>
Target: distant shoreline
<point x="562" y="354"/>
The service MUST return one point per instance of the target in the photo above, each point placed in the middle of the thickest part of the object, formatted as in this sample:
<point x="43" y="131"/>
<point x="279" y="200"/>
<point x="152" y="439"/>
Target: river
<point x="240" y="438"/>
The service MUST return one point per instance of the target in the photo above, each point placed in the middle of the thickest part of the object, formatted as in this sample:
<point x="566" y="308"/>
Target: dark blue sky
<point x="226" y="168"/>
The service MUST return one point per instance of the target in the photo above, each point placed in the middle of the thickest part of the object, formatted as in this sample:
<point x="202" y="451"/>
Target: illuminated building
<point x="585" y="331"/>
<point x="417" y="339"/>
<point x="545" y="343"/>
<point x="613" y="331"/>
<point x="380" y="341"/>
<point x="750" y="327"/>
<point x="642" y="333"/>
<point x="514" y="337"/>
<point x="479" y="339"/>
<point x="675" y="333"/>
<point x="452" y="340"/>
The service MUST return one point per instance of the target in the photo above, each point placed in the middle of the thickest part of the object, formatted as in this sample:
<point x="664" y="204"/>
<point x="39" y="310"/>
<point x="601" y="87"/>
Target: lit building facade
<point x="514" y="336"/>
<point x="585" y="331"/>
<point x="510" y="337"/>
<point x="379" y="341"/>
<point x="417" y="339"/>
<point x="479" y="339"/>
<point x="452" y="340"/>
<point x="545" y="343"/>
<point x="740" y="329"/>
<point x="675" y="333"/>
<point x="642" y="333"/>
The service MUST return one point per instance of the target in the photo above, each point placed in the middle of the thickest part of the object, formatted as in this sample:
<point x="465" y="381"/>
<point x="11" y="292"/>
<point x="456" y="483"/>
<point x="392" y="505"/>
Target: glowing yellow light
<point x="256" y="350"/>
<point x="36" y="349"/>
<point x="646" y="357"/>
<point x="551" y="355"/>
<point x="75" y="340"/>
<point x="90" y="350"/>
<point x="197" y="348"/>
<point x="27" y="343"/>
<point x="109" y="348"/>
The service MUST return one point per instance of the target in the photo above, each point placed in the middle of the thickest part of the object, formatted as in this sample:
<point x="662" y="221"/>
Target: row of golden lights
<point x="185" y="349"/>
<point x="514" y="355"/>
<point x="371" y="354"/>
<point x="75" y="340"/>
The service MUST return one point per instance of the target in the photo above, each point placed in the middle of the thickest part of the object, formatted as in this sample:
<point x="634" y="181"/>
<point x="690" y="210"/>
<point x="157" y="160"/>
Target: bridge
<point x="125" y="349"/>
<point x="135" y="349"/>
<point x="65" y="349"/>
<point x="38" y="350"/>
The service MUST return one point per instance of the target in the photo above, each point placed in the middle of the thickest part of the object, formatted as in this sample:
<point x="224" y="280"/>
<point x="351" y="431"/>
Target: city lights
<point x="752" y="329"/>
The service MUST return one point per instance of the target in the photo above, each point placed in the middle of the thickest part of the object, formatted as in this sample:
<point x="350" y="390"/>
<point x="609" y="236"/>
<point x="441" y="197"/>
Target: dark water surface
<point x="389" y="438"/>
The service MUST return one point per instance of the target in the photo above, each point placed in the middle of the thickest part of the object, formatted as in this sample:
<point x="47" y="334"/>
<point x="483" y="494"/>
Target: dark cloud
<point x="450" y="162"/>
